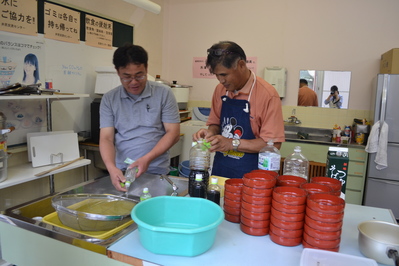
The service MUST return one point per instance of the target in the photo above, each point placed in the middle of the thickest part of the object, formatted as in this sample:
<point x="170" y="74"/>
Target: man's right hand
<point x="117" y="178"/>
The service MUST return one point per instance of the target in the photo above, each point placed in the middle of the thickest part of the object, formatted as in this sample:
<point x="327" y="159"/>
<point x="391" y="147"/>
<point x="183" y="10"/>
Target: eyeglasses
<point x="137" y="78"/>
<point x="219" y="52"/>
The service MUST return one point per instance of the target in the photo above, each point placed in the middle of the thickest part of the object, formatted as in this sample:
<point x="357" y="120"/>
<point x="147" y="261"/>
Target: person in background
<point x="306" y="96"/>
<point x="138" y="119"/>
<point x="241" y="101"/>
<point x="334" y="100"/>
<point x="31" y="70"/>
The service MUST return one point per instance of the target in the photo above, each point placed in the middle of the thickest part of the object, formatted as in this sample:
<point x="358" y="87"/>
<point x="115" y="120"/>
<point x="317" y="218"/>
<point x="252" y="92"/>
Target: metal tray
<point x="93" y="212"/>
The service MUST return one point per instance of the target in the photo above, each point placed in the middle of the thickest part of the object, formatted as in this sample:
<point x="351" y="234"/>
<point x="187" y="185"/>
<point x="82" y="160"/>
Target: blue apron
<point x="235" y="124"/>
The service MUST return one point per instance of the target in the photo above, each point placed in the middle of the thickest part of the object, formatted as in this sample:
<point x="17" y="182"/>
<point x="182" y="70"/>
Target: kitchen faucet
<point x="293" y="119"/>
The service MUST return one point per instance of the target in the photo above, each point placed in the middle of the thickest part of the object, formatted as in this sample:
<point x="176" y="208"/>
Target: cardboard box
<point x="390" y="62"/>
<point x="337" y="165"/>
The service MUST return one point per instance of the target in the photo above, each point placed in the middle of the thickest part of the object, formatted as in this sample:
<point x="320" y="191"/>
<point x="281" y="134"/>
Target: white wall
<point x="309" y="34"/>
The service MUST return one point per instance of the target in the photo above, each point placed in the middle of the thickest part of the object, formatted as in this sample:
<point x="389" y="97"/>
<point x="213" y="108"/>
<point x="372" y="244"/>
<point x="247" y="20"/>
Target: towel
<point x="378" y="143"/>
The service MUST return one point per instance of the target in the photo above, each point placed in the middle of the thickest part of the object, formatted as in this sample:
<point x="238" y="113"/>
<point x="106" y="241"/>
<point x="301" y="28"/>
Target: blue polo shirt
<point x="139" y="123"/>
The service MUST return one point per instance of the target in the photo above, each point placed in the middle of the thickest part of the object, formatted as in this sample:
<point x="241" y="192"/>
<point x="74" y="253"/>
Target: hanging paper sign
<point x="19" y="16"/>
<point x="61" y="23"/>
<point x="98" y="32"/>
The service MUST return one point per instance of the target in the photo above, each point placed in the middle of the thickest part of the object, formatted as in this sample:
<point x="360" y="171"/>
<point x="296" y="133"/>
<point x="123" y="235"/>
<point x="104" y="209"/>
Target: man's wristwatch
<point x="236" y="143"/>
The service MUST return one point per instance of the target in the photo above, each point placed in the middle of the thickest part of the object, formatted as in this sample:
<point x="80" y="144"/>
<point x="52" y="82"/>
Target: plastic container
<point x="181" y="226"/>
<point x="296" y="164"/>
<point x="213" y="191"/>
<point x="199" y="164"/>
<point x="269" y="157"/>
<point x="145" y="195"/>
<point x="198" y="188"/>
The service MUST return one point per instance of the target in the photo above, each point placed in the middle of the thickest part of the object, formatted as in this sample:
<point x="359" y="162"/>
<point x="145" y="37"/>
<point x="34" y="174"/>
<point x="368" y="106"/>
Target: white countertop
<point x="233" y="247"/>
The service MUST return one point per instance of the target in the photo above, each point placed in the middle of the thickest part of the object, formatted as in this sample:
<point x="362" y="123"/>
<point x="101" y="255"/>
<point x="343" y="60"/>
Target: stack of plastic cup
<point x="335" y="184"/>
<point x="232" y="200"/>
<point x="323" y="222"/>
<point x="287" y="215"/>
<point x="290" y="181"/>
<point x="256" y="201"/>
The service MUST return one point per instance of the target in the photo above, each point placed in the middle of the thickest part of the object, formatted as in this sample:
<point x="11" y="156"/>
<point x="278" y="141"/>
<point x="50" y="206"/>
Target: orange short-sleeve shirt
<point x="266" y="114"/>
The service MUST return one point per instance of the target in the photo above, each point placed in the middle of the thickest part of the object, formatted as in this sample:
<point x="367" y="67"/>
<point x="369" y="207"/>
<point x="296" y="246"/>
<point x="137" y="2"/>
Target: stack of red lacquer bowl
<point x="232" y="200"/>
<point x="334" y="184"/>
<point x="287" y="215"/>
<point x="290" y="181"/>
<point x="256" y="200"/>
<point x="323" y="221"/>
<point x="312" y="188"/>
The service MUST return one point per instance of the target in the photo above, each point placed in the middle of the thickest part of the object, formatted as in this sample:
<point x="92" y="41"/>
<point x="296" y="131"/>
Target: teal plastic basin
<point x="180" y="226"/>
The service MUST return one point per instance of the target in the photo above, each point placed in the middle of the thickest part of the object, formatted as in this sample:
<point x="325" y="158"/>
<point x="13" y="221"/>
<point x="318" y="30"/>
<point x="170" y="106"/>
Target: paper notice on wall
<point x="19" y="16"/>
<point x="201" y="71"/>
<point x="60" y="23"/>
<point x="98" y="32"/>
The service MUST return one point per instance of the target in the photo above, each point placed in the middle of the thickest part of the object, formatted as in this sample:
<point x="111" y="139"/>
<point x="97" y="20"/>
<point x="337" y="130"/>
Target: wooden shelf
<point x="25" y="172"/>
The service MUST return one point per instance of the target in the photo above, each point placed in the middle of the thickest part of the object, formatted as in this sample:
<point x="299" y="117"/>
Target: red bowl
<point x="265" y="172"/>
<point x="323" y="216"/>
<point x="335" y="184"/>
<point x="295" y="233"/>
<point x="259" y="180"/>
<point x="312" y="188"/>
<point x="289" y="195"/>
<point x="254" y="231"/>
<point x="232" y="210"/>
<point x="326" y="203"/>
<point x="288" y="208"/>
<point x="255" y="223"/>
<point x="307" y="245"/>
<point x="290" y="180"/>
<point x="319" y="234"/>
<point x="255" y="199"/>
<point x="232" y="196"/>
<point x="320" y="243"/>
<point x="286" y="216"/>
<point x="323" y="226"/>
<point x="233" y="185"/>
<point x="259" y="216"/>
<point x="259" y="192"/>
<point x="285" y="241"/>
<point x="231" y="218"/>
<point x="288" y="225"/>
<point x="232" y="203"/>
<point x="255" y="207"/>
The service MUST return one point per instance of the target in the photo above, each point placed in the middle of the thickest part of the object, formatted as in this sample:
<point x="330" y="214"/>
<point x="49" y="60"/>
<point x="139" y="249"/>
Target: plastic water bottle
<point x="199" y="164"/>
<point x="198" y="187"/>
<point x="145" y="195"/>
<point x="269" y="158"/>
<point x="296" y="164"/>
<point x="213" y="191"/>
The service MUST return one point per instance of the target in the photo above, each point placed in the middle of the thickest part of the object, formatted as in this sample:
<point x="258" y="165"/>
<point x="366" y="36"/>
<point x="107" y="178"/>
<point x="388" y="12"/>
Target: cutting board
<point x="35" y="134"/>
<point x="43" y="147"/>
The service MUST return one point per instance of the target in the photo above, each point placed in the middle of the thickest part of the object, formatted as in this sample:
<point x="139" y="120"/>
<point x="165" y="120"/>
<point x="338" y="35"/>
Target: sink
<point x="23" y="215"/>
<point x="307" y="133"/>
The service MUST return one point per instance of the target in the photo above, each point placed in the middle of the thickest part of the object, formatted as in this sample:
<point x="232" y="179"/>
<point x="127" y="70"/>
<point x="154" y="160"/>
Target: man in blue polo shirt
<point x="138" y="119"/>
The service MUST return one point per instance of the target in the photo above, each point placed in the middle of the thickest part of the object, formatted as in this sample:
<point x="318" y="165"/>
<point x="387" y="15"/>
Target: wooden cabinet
<point x="356" y="169"/>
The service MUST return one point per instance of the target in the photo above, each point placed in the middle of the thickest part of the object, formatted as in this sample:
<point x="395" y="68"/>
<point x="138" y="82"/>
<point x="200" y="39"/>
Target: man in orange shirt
<point x="306" y="96"/>
<point x="246" y="113"/>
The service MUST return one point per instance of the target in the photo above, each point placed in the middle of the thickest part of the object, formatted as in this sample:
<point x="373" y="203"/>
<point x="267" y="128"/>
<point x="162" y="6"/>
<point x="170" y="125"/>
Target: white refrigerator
<point x="382" y="186"/>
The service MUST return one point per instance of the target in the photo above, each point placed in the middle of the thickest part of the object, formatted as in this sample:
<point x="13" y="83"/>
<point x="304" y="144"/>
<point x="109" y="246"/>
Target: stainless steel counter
<point x="23" y="215"/>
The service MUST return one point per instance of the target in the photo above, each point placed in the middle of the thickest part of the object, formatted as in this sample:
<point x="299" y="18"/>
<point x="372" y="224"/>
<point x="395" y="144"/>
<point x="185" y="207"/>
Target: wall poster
<point x="60" y="23"/>
<point x="201" y="71"/>
<point x="98" y="32"/>
<point x="19" y="16"/>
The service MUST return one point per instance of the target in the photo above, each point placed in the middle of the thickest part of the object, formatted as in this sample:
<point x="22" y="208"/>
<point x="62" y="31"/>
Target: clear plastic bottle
<point x="213" y="191"/>
<point x="199" y="164"/>
<point x="296" y="164"/>
<point x="269" y="157"/>
<point x="198" y="187"/>
<point x="145" y="195"/>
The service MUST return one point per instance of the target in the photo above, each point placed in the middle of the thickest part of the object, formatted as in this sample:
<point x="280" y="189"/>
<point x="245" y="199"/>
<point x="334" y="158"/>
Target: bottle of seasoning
<point x="213" y="191"/>
<point x="145" y="195"/>
<point x="199" y="164"/>
<point x="198" y="187"/>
